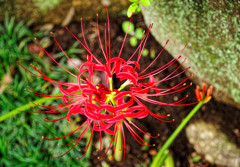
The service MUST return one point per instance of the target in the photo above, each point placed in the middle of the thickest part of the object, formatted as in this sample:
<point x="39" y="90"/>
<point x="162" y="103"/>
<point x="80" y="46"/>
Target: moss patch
<point x="212" y="29"/>
<point x="46" y="5"/>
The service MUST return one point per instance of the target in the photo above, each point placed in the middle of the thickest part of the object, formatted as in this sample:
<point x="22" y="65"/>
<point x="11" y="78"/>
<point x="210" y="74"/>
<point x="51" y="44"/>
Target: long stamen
<point x="154" y="59"/>
<point x="120" y="52"/>
<point x="99" y="38"/>
<point x="54" y="59"/>
<point x="142" y="130"/>
<point x="84" y="35"/>
<point x="142" y="40"/>
<point x="109" y="36"/>
<point x="87" y="49"/>
<point x="63" y="51"/>
<point x="65" y="135"/>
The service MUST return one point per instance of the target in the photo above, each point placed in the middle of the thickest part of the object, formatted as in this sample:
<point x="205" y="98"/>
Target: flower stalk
<point x="27" y="106"/>
<point x="118" y="155"/>
<point x="163" y="153"/>
<point x="160" y="158"/>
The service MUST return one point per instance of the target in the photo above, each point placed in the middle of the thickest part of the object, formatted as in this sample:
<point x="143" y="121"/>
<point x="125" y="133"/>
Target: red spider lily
<point x="105" y="108"/>
<point x="205" y="94"/>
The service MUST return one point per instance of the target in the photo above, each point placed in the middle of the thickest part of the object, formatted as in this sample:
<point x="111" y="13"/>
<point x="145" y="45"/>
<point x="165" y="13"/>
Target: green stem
<point x="88" y="153"/>
<point x="118" y="151"/>
<point x="124" y="85"/>
<point x="27" y="106"/>
<point x="111" y="83"/>
<point x="169" y="162"/>
<point x="162" y="154"/>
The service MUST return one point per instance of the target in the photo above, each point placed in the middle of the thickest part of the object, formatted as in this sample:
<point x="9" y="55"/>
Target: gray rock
<point x="214" y="145"/>
<point x="213" y="31"/>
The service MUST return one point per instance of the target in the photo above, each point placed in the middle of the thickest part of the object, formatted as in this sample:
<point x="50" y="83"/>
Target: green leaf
<point x="145" y="52"/>
<point x="138" y="9"/>
<point x="125" y="27"/>
<point x="18" y="27"/>
<point x="139" y="33"/>
<point x="132" y="8"/>
<point x="196" y="159"/>
<point x="133" y="41"/>
<point x="145" y="2"/>
<point x="10" y="26"/>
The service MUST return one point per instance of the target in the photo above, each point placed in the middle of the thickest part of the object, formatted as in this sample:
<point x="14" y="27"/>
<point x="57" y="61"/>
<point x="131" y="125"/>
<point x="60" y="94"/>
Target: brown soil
<point x="223" y="115"/>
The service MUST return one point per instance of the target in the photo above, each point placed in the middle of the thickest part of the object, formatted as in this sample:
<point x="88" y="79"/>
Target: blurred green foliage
<point x="45" y="5"/>
<point x="13" y="44"/>
<point x="20" y="142"/>
<point x="71" y="52"/>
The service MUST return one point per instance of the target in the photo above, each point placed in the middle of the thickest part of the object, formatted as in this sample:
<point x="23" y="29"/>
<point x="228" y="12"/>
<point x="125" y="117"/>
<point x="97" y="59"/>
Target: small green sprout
<point x="145" y="52"/>
<point x="196" y="159"/>
<point x="136" y="35"/>
<point x="134" y="7"/>
<point x="139" y="33"/>
<point x="133" y="41"/>
<point x="152" y="53"/>
<point x="125" y="28"/>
